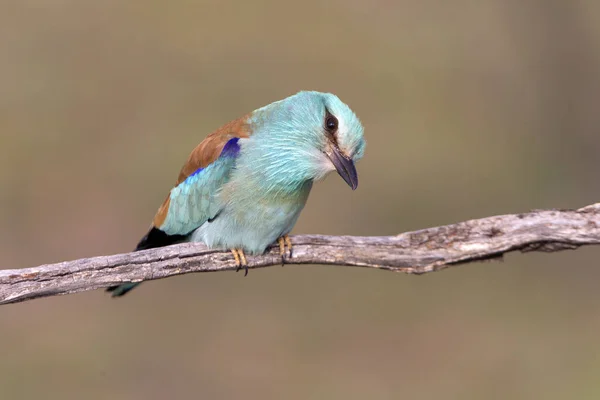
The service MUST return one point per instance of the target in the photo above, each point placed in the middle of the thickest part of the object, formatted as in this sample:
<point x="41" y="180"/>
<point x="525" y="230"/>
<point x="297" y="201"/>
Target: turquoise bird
<point x="244" y="186"/>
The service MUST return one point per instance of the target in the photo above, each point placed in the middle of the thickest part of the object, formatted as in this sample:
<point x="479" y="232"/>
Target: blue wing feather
<point x="195" y="200"/>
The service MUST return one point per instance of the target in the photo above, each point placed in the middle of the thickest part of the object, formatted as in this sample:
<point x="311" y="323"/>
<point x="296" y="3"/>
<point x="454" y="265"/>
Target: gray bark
<point x="415" y="252"/>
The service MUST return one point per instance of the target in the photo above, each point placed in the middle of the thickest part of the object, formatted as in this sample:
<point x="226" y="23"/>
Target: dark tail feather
<point x="154" y="238"/>
<point x="118" y="291"/>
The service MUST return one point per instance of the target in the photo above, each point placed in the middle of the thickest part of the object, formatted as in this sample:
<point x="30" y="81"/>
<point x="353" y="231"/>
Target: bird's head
<point x="312" y="134"/>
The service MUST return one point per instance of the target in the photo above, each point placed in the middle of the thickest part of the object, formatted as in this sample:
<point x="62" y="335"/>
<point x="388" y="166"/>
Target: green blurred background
<point x="471" y="108"/>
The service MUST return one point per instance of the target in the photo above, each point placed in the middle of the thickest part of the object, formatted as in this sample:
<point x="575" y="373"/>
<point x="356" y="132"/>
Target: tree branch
<point x="416" y="252"/>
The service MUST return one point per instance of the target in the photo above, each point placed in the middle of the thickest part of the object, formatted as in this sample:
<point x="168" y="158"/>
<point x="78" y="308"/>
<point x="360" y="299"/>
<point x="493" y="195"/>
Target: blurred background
<point x="470" y="108"/>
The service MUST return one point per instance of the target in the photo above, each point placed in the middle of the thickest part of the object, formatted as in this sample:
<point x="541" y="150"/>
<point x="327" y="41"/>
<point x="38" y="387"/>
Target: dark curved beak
<point x="344" y="166"/>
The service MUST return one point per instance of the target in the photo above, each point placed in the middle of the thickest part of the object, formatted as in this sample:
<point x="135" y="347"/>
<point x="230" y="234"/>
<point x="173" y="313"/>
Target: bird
<point x="244" y="186"/>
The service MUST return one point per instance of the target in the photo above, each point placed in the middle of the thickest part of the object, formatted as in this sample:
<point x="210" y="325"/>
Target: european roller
<point x="244" y="186"/>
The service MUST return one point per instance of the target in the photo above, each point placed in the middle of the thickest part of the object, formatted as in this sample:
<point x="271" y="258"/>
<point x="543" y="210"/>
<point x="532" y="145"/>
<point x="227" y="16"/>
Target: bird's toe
<point x="284" y="242"/>
<point x="240" y="260"/>
<point x="281" y="242"/>
<point x="288" y="242"/>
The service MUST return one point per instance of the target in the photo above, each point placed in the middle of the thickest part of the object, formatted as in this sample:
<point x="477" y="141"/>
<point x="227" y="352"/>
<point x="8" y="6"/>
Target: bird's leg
<point x="243" y="260"/>
<point x="281" y="242"/>
<point x="284" y="241"/>
<point x="237" y="259"/>
<point x="240" y="260"/>
<point x="288" y="242"/>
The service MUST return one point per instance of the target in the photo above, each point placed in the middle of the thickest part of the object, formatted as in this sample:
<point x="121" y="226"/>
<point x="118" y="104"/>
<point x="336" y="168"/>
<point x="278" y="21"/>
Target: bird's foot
<point x="283" y="242"/>
<point x="240" y="260"/>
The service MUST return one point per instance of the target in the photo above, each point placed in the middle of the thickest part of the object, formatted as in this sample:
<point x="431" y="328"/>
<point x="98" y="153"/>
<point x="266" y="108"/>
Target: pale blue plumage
<point x="196" y="200"/>
<point x="274" y="170"/>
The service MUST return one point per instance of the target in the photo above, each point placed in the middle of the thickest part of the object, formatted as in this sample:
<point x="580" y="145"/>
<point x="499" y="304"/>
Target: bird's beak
<point x="344" y="166"/>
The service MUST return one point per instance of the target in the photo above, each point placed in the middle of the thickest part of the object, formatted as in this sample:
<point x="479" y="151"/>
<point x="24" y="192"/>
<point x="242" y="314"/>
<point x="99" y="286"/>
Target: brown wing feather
<point x="204" y="154"/>
<point x="210" y="148"/>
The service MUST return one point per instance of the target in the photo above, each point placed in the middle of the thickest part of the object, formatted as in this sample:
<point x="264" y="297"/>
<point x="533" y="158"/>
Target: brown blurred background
<point x="471" y="108"/>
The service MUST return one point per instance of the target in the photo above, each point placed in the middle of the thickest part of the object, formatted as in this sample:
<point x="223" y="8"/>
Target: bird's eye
<point x="331" y="123"/>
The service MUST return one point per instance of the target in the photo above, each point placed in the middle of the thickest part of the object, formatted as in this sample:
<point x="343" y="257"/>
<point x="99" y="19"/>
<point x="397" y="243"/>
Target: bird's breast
<point x="250" y="204"/>
<point x="251" y="219"/>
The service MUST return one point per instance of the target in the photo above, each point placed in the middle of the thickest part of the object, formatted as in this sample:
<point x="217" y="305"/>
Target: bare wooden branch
<point x="416" y="252"/>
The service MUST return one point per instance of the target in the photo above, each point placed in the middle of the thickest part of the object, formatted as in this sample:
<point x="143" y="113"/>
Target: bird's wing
<point x="193" y="200"/>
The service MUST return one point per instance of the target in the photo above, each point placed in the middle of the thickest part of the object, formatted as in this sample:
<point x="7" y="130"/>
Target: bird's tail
<point x="154" y="238"/>
<point x="120" y="290"/>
